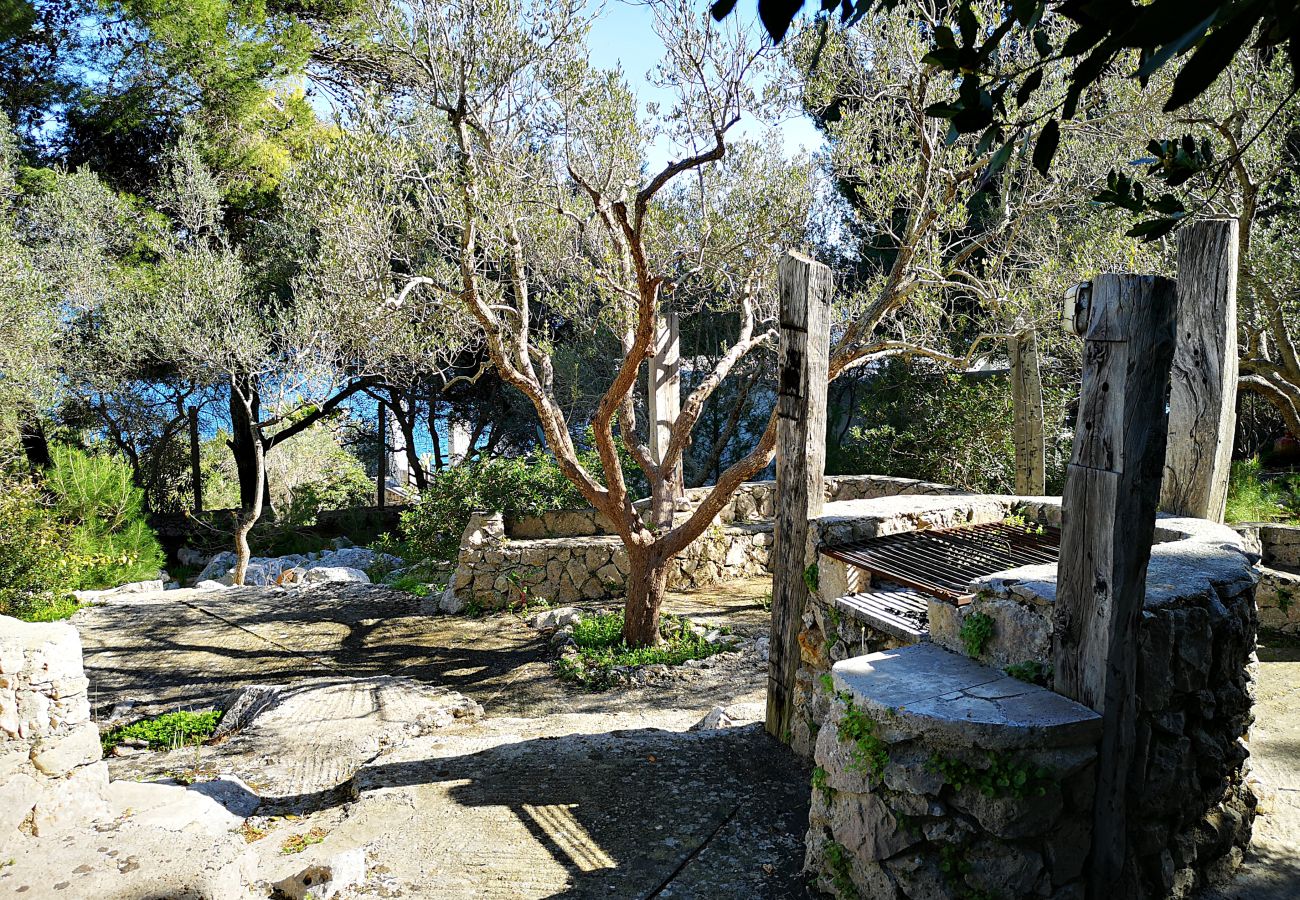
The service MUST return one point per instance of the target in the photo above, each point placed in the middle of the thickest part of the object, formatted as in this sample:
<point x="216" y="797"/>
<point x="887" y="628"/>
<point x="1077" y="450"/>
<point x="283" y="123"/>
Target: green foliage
<point x="819" y="783"/>
<point x="975" y="633"/>
<point x="812" y="578"/>
<point x="34" y="563"/>
<point x="174" y="729"/>
<point x="841" y="866"/>
<point x="1001" y="777"/>
<point x="870" y="753"/>
<point x="49" y="610"/>
<point x="1032" y="671"/>
<point x="914" y="421"/>
<point x="513" y="485"/>
<point x="827" y="682"/>
<point x="601" y="649"/>
<point x="1252" y="498"/>
<point x="109" y="539"/>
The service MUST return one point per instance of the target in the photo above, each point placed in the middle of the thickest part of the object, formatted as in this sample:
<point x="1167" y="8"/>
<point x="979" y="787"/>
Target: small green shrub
<point x="841" y="866"/>
<point x="109" y="540"/>
<point x="174" y="729"/>
<point x="51" y="610"/>
<point x="975" y="633"/>
<point x="35" y="566"/>
<point x="601" y="649"/>
<point x="1001" y="777"/>
<point x="432" y="528"/>
<point x="870" y="753"/>
<point x="1031" y="670"/>
<point x="1251" y="498"/>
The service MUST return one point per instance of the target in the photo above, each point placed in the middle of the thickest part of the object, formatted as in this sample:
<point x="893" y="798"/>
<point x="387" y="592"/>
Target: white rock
<point x="763" y="648"/>
<point x="335" y="574"/>
<point x="450" y="603"/>
<point x="556" y="618"/>
<point x="219" y="565"/>
<point x="715" y="719"/>
<point x="326" y="879"/>
<point x="191" y="557"/>
<point x="210" y="585"/>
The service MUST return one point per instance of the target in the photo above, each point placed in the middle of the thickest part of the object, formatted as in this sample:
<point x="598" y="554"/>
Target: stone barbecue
<point x="940" y="774"/>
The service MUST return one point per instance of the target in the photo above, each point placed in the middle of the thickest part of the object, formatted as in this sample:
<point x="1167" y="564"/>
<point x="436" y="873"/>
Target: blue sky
<point x="623" y="34"/>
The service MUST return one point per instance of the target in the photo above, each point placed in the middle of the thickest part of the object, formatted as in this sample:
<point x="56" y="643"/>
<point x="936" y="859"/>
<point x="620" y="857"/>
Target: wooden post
<point x="802" y="364"/>
<point x="196" y="467"/>
<point x="664" y="403"/>
<point x="381" y="468"/>
<point x="1203" y="388"/>
<point x="1027" y="411"/>
<point x="1109" y="511"/>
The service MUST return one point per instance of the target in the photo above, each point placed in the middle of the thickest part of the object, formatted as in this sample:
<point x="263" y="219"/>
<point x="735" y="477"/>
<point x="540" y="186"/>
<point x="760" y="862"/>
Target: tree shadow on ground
<point x="633" y="813"/>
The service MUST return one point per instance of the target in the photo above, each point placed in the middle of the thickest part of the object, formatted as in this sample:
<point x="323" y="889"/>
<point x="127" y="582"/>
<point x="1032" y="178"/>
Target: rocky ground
<point x="399" y="754"/>
<point x="406" y="755"/>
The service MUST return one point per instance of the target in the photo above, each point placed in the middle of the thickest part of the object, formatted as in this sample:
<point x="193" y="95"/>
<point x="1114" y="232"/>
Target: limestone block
<point x="609" y="574"/>
<point x="533" y="556"/>
<point x="33" y="714"/>
<point x="867" y="828"/>
<point x="1007" y="870"/>
<point x="554" y="570"/>
<point x="9" y="721"/>
<point x="74" y="801"/>
<point x="342" y="574"/>
<point x="593" y="589"/>
<point x="18" y="796"/>
<point x="58" y="754"/>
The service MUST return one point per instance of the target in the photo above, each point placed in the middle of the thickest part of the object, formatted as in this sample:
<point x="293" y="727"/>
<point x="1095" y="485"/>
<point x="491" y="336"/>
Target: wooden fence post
<point x="1203" y="388"/>
<point x="664" y="403"/>
<point x="802" y="368"/>
<point x="196" y="466"/>
<point x="1109" y="511"/>
<point x="381" y="468"/>
<point x="1027" y="410"/>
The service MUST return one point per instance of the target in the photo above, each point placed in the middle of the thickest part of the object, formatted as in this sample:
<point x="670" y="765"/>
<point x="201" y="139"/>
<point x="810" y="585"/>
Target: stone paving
<point x="1272" y="867"/>
<point x="554" y="791"/>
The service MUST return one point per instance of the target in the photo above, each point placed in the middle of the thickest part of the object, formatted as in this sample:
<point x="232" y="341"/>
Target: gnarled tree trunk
<point x="647" y="581"/>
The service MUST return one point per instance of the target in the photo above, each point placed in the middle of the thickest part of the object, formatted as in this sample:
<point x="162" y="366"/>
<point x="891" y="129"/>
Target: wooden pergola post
<point x="1109" y="509"/>
<point x="1027" y="414"/>
<point x="1203" y="387"/>
<point x="664" y="400"/>
<point x="196" y="464"/>
<point x="802" y="369"/>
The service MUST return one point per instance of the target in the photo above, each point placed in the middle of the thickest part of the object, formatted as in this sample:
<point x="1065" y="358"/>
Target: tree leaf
<point x="1210" y="59"/>
<point x="1049" y="139"/>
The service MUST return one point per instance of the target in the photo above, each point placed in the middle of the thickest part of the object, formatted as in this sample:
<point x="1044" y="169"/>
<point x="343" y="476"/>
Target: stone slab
<point x="924" y="689"/>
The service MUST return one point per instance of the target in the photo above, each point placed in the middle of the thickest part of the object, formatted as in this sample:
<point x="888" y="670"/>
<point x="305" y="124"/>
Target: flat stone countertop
<point x="926" y="690"/>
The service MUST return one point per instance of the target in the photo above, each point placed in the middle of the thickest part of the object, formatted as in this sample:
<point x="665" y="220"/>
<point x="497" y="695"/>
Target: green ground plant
<point x="1253" y="498"/>
<point x="601" y="650"/>
<point x="1002" y="776"/>
<point x="173" y="729"/>
<point x="1031" y="670"/>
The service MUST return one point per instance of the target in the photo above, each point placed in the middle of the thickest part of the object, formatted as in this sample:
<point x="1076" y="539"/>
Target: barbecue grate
<point x="942" y="562"/>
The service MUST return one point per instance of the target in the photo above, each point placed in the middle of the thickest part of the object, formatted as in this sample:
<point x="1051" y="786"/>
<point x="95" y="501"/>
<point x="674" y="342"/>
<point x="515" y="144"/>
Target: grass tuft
<point x="173" y="729"/>
<point x="601" y="650"/>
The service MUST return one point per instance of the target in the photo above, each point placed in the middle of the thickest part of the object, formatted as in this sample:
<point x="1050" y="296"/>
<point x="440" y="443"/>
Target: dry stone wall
<point x="52" y="776"/>
<point x="1278" y="594"/>
<point x="1191" y="805"/>
<point x="568" y="555"/>
<point x="938" y="777"/>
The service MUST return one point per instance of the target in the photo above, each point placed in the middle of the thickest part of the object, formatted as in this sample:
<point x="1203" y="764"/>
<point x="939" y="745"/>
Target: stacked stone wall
<point x="52" y="776"/>
<point x="1278" y="594"/>
<point x="1191" y="809"/>
<point x="984" y="789"/>
<point x="568" y="555"/>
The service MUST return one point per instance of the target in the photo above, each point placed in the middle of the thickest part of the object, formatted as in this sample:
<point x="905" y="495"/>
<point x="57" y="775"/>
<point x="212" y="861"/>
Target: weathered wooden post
<point x="1203" y="384"/>
<point x="1109" y="521"/>
<point x="381" y="468"/>
<point x="196" y="466"/>
<point x="802" y="365"/>
<point x="664" y="404"/>
<point x="1027" y="413"/>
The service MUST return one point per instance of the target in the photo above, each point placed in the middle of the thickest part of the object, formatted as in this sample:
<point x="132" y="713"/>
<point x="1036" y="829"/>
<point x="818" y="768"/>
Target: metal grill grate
<point x="944" y="561"/>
